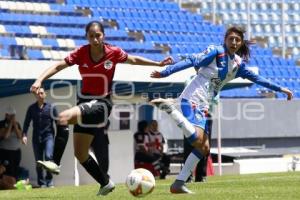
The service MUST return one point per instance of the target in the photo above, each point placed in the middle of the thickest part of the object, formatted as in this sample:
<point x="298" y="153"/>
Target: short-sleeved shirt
<point x="97" y="76"/>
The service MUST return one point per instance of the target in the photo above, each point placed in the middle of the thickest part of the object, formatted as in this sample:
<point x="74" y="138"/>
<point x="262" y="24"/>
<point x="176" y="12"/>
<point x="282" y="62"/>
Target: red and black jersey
<point x="97" y="76"/>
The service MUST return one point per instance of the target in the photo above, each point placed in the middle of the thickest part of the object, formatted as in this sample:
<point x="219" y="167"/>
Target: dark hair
<point x="142" y="125"/>
<point x="88" y="26"/>
<point x="153" y="121"/>
<point x="244" y="50"/>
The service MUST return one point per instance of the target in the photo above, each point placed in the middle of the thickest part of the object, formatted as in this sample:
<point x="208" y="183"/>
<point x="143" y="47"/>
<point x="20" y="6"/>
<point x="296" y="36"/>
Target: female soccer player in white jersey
<point x="217" y="65"/>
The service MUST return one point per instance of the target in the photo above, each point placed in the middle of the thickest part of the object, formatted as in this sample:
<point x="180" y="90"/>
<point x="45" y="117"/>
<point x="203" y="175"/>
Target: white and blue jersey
<point x="215" y="69"/>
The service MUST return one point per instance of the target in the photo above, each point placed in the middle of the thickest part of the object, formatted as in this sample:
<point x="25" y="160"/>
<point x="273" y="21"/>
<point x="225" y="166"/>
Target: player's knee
<point x="81" y="157"/>
<point x="62" y="119"/>
<point x="205" y="150"/>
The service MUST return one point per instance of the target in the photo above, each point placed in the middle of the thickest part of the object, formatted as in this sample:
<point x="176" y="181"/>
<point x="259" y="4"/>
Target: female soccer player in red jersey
<point x="97" y="61"/>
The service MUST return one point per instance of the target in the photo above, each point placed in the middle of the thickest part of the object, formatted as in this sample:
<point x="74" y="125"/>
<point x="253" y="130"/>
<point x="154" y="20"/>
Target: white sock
<point x="183" y="123"/>
<point x="188" y="167"/>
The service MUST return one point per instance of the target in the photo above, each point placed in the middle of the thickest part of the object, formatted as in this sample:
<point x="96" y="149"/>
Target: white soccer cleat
<point x="166" y="105"/>
<point x="179" y="187"/>
<point x="49" y="166"/>
<point x="104" y="190"/>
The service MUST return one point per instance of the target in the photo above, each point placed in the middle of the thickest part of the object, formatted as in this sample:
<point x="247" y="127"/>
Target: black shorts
<point x="94" y="114"/>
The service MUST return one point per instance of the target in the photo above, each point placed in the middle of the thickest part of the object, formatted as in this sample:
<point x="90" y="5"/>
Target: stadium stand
<point x="48" y="30"/>
<point x="265" y="20"/>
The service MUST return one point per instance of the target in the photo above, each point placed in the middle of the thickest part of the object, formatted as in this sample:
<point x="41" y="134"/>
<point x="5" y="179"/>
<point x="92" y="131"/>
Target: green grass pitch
<point x="271" y="186"/>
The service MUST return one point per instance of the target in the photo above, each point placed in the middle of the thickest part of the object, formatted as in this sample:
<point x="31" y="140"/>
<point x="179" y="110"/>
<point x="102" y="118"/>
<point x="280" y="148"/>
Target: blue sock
<point x="192" y="138"/>
<point x="197" y="153"/>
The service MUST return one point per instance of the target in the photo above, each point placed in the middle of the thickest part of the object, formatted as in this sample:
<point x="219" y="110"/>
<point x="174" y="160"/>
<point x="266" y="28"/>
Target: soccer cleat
<point x="178" y="187"/>
<point x="49" y="166"/>
<point x="164" y="104"/>
<point x="104" y="190"/>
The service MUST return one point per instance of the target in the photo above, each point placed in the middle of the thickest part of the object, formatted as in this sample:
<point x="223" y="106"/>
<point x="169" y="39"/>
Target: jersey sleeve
<point x="27" y="120"/>
<point x="73" y="57"/>
<point x="121" y="55"/>
<point x="54" y="112"/>
<point x="195" y="60"/>
<point x="246" y="73"/>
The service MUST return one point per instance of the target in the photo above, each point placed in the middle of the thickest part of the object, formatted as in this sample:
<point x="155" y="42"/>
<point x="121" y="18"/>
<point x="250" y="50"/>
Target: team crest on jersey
<point x="108" y="64"/>
<point x="198" y="116"/>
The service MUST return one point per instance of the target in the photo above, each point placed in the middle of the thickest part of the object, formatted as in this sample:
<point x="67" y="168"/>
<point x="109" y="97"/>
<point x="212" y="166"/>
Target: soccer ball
<point x="140" y="182"/>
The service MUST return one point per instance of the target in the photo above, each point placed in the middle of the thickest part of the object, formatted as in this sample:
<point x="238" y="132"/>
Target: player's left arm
<point x="250" y="75"/>
<point x="138" y="60"/>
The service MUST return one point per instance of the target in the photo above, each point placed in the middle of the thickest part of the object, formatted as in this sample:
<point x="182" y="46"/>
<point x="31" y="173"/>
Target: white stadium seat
<point x="70" y="43"/>
<point x="29" y="6"/>
<point x="222" y="6"/>
<point x="61" y="42"/>
<point x="277" y="29"/>
<point x="275" y="7"/>
<point x="2" y="29"/>
<point x="288" y="28"/>
<point x="272" y="42"/>
<point x="295" y="51"/>
<point x="263" y="7"/>
<point x="20" y="41"/>
<point x="28" y="42"/>
<point x="253" y="7"/>
<point x="41" y="30"/>
<point x="45" y="7"/>
<point x="264" y="18"/>
<point x="290" y="41"/>
<point x="11" y="5"/>
<point x="268" y="29"/>
<point x="243" y="6"/>
<point x="55" y="55"/>
<point x="297" y="29"/>
<point x="46" y="54"/>
<point x="37" y="42"/>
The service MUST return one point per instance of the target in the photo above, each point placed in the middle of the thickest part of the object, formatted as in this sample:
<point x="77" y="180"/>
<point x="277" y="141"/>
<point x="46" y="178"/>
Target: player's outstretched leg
<point x="50" y="166"/>
<point x="166" y="105"/>
<point x="181" y="121"/>
<point x="61" y="140"/>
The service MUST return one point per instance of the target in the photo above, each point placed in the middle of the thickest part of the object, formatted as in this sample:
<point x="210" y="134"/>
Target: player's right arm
<point x="46" y="74"/>
<point x="26" y="124"/>
<point x="195" y="60"/>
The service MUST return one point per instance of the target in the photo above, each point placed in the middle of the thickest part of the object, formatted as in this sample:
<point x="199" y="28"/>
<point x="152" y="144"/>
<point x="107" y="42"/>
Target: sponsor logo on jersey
<point x="216" y="83"/>
<point x="85" y="65"/>
<point x="108" y="64"/>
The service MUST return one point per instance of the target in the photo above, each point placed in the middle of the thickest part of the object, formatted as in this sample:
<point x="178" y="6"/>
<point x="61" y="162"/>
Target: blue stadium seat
<point x="50" y="42"/>
<point x="7" y="41"/>
<point x="35" y="54"/>
<point x="4" y="53"/>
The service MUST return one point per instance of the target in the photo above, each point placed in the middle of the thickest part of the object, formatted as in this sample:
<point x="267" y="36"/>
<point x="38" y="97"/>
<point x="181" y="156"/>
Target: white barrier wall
<point x="121" y="142"/>
<point x="21" y="103"/>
